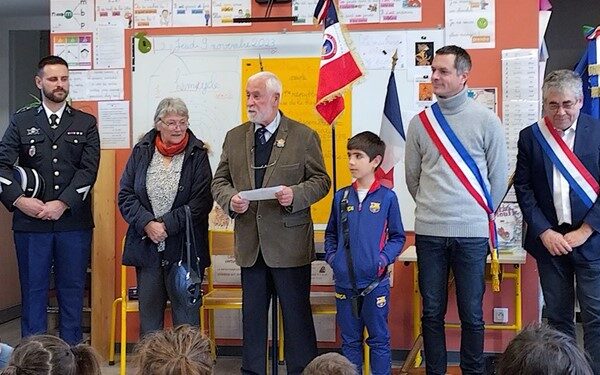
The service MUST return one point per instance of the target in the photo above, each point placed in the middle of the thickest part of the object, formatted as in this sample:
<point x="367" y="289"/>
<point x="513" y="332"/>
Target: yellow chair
<point x="220" y="242"/>
<point x="324" y="303"/>
<point x="128" y="307"/>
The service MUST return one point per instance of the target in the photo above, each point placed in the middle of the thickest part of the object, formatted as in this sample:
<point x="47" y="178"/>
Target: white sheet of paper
<point x="113" y="124"/>
<point x="260" y="194"/>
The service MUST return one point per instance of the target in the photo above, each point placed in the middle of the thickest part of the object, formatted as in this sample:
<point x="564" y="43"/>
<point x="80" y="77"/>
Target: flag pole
<point x="333" y="159"/>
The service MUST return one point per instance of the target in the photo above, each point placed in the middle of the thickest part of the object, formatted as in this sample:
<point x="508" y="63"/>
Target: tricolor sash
<point x="579" y="178"/>
<point x="459" y="160"/>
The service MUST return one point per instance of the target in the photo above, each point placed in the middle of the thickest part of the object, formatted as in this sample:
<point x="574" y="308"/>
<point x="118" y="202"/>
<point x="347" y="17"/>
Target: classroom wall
<point x="486" y="72"/>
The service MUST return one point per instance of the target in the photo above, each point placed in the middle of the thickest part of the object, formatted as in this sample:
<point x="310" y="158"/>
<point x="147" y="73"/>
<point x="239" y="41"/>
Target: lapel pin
<point x="280" y="143"/>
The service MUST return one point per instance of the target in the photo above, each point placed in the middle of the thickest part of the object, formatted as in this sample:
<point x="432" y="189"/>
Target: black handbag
<point x="184" y="281"/>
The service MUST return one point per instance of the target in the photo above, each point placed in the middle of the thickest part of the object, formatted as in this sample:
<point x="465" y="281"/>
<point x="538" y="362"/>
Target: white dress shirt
<point x="560" y="186"/>
<point x="271" y="128"/>
<point x="59" y="113"/>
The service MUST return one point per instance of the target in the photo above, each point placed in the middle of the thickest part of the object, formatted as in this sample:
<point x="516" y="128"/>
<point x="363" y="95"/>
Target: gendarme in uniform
<point x="67" y="158"/>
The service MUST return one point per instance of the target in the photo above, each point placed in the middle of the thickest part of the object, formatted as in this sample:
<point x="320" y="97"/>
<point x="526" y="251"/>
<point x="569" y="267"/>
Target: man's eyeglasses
<point x="564" y="105"/>
<point x="174" y="124"/>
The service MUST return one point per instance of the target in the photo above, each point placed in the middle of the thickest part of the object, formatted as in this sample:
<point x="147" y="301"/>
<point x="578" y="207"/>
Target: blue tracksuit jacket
<point x="376" y="235"/>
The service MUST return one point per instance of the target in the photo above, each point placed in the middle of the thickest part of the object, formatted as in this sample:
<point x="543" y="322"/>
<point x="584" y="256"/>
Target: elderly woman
<point x="167" y="171"/>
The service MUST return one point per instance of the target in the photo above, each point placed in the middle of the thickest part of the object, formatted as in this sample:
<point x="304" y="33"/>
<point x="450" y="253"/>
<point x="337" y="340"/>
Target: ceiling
<point x="23" y="8"/>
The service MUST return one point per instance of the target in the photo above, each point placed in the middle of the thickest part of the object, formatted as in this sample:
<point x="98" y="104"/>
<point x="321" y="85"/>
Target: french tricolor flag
<point x="392" y="133"/>
<point x="339" y="69"/>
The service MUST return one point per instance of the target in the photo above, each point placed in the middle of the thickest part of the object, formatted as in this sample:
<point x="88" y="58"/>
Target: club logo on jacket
<point x="381" y="301"/>
<point x="340" y="296"/>
<point x="375" y="207"/>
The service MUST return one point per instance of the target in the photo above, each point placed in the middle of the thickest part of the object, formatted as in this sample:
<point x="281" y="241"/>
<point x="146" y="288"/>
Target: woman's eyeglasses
<point x="176" y="124"/>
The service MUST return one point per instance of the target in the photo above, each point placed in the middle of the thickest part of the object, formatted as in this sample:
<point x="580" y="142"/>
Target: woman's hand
<point x="156" y="231"/>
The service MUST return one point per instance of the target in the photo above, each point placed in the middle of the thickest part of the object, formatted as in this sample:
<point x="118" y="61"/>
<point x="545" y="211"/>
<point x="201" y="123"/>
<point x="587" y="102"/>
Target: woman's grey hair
<point x="170" y="106"/>
<point x="272" y="82"/>
<point x="563" y="80"/>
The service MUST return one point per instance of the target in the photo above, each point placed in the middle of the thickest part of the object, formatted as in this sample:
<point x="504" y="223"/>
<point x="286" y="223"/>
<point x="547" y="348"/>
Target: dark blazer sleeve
<point x="86" y="174"/>
<point x="316" y="182"/>
<point x="9" y="152"/>
<point x="132" y="209"/>
<point x="592" y="217"/>
<point x="524" y="175"/>
<point x="201" y="200"/>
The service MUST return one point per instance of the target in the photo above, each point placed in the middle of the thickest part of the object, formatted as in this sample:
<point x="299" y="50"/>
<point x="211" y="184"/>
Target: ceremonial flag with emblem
<point x="339" y="69"/>
<point x="392" y="133"/>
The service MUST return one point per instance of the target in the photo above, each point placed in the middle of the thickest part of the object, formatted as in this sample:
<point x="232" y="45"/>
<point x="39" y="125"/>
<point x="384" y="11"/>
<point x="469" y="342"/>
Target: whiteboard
<point x="205" y="71"/>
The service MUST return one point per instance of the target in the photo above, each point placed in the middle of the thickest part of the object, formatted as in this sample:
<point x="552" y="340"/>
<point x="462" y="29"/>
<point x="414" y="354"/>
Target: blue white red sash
<point x="459" y="160"/>
<point x="569" y="165"/>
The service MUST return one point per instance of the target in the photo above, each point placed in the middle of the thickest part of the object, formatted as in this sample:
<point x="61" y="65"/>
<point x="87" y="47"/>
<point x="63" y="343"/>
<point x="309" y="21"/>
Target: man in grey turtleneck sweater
<point x="451" y="229"/>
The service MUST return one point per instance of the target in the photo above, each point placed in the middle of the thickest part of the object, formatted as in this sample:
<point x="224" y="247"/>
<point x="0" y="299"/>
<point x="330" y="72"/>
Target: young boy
<point x="366" y="216"/>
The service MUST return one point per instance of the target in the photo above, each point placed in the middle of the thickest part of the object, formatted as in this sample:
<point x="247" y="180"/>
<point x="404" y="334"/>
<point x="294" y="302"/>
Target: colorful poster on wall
<point x="115" y="11"/>
<point x="191" y="13"/>
<point x="152" y="13"/>
<point x="471" y="24"/>
<point x="224" y="11"/>
<point x="76" y="49"/>
<point x="71" y="16"/>
<point x="400" y="11"/>
<point x="359" y="11"/>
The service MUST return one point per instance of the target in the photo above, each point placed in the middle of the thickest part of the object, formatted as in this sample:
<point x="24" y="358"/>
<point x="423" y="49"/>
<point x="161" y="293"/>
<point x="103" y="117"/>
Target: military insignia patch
<point x="375" y="207"/>
<point x="32" y="151"/>
<point x="33" y="131"/>
<point x="381" y="301"/>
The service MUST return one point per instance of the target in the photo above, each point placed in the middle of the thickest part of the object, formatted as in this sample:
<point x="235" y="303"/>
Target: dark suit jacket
<point x="67" y="159"/>
<point x="533" y="186"/>
<point x="284" y="235"/>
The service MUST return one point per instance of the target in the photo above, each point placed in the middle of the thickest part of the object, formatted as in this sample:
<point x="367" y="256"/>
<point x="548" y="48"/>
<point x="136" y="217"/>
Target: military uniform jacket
<point x="67" y="158"/>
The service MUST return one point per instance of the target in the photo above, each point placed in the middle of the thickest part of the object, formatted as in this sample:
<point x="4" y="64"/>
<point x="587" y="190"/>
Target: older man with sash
<point x="558" y="167"/>
<point x="456" y="171"/>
